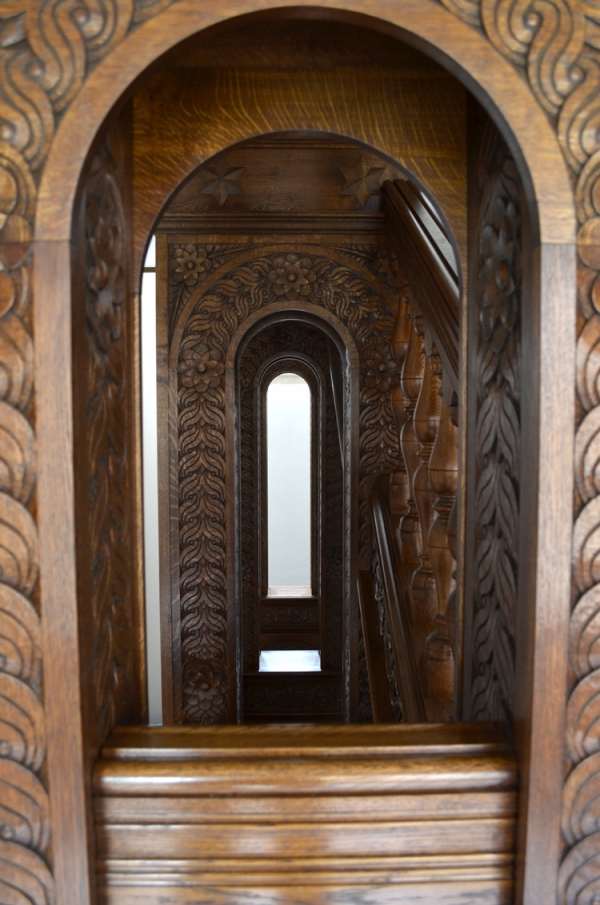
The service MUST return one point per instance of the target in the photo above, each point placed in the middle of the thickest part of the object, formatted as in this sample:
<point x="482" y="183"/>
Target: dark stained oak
<point x="431" y="809"/>
<point x="63" y="72"/>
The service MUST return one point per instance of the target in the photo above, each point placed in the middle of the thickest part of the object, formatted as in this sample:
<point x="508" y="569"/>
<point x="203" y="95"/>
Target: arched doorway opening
<point x="45" y="361"/>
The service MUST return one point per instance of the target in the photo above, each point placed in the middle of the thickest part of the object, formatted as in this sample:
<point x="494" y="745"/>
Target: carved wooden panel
<point x="206" y="327"/>
<point x="107" y="488"/>
<point x="496" y="364"/>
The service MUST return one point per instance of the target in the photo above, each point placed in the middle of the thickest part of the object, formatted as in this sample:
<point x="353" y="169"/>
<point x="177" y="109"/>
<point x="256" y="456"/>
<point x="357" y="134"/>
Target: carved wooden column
<point x="399" y="481"/>
<point x="437" y="662"/>
<point x="426" y="419"/>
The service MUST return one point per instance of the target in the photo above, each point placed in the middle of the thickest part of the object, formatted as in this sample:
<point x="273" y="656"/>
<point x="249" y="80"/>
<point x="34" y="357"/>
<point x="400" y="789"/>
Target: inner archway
<point x="41" y="271"/>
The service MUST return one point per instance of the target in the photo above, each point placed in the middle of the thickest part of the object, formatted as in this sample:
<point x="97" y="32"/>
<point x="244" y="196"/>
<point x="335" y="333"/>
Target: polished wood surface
<point x="285" y="815"/>
<point x="536" y="74"/>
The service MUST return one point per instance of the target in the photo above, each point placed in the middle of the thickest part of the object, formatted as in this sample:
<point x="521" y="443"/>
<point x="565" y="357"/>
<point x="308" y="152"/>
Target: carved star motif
<point x="221" y="181"/>
<point x="362" y="181"/>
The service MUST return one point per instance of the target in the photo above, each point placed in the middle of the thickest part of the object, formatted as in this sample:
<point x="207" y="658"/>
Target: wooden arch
<point x="84" y="71"/>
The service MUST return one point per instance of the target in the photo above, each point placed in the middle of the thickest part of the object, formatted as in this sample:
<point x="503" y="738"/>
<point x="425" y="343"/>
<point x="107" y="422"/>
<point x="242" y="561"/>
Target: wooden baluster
<point x="399" y="483"/>
<point x="408" y="536"/>
<point x="427" y="419"/>
<point x="437" y="663"/>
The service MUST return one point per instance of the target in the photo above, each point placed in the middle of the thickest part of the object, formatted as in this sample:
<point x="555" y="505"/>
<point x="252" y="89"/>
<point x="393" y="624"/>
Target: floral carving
<point x="200" y="368"/>
<point x="291" y="276"/>
<point x="206" y="690"/>
<point x="188" y="263"/>
<point x="380" y="371"/>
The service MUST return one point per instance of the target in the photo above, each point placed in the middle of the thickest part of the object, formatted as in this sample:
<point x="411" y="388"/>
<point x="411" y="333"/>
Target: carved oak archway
<point x="489" y="50"/>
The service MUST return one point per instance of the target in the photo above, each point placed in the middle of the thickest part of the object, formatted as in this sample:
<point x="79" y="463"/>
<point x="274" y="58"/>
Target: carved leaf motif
<point x="498" y="429"/>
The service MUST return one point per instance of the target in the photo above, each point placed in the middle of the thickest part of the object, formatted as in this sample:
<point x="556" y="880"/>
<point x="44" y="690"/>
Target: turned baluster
<point x="427" y="419"/>
<point x="409" y="531"/>
<point x="399" y="484"/>
<point x="437" y="663"/>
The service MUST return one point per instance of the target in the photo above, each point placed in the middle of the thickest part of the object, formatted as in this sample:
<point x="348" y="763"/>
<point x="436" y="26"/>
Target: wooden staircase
<point x="319" y="816"/>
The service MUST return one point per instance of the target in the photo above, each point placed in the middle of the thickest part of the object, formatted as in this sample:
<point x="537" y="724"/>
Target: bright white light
<point x="150" y="478"/>
<point x="288" y="482"/>
<point x="290" y="661"/>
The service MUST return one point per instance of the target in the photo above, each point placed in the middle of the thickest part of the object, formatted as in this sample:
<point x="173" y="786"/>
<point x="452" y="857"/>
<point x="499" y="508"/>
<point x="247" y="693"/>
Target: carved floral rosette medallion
<point x="340" y="289"/>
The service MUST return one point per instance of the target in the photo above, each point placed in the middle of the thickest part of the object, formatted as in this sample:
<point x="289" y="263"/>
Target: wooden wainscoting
<point x="277" y="815"/>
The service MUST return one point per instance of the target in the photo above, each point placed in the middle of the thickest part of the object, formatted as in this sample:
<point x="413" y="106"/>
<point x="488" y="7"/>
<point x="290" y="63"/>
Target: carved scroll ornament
<point x="341" y="290"/>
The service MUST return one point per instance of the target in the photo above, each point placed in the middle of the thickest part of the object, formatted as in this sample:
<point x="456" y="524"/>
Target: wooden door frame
<point x="490" y="61"/>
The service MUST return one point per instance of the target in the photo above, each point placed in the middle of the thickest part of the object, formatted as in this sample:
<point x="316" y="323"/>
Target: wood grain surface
<point x="537" y="75"/>
<point x="431" y="811"/>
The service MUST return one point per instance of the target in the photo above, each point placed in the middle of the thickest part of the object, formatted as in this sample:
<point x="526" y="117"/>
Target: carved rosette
<point x="248" y="287"/>
<point x="498" y="440"/>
